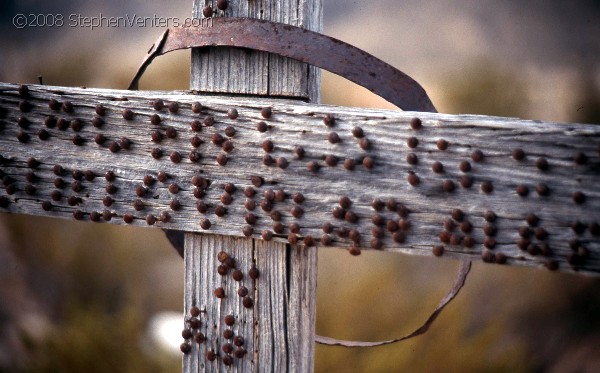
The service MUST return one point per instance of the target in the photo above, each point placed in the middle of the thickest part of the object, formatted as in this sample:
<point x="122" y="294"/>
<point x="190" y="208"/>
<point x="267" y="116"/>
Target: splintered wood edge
<point x="472" y="196"/>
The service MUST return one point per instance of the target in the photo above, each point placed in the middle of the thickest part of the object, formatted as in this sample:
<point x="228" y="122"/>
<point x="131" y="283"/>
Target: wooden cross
<point x="258" y="184"/>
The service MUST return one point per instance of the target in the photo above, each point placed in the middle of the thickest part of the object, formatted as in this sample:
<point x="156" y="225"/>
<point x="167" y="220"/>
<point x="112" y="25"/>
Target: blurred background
<point x="85" y="297"/>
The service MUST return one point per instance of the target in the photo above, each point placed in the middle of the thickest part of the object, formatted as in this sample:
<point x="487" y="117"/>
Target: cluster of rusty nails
<point x="233" y="344"/>
<point x="63" y="116"/>
<point x="208" y="10"/>
<point x="228" y="263"/>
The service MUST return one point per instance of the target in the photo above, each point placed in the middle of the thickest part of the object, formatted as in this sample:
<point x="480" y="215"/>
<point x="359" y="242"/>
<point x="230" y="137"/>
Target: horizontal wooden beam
<point x="495" y="189"/>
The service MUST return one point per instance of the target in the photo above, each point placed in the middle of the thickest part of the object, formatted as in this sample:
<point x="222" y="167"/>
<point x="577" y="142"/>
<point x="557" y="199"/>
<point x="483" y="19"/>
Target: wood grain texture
<point x="275" y="337"/>
<point x="428" y="206"/>
<point x="237" y="71"/>
<point x="281" y="322"/>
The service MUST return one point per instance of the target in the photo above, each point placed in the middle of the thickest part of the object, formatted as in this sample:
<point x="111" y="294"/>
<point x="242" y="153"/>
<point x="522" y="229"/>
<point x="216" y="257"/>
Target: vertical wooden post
<point x="278" y="330"/>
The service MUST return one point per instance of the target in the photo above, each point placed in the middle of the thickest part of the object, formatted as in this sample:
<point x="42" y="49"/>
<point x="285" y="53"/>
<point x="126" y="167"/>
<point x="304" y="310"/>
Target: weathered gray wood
<point x="267" y="327"/>
<point x="236" y="71"/>
<point x="280" y="329"/>
<point x="297" y="124"/>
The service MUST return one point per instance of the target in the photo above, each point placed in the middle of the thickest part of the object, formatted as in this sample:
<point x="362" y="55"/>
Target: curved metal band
<point x="299" y="44"/>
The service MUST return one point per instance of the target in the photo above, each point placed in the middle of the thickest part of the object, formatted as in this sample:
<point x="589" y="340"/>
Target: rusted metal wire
<point x="300" y="44"/>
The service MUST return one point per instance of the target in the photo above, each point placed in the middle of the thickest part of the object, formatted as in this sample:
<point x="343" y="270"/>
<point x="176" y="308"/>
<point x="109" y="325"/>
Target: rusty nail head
<point x="415" y="123"/>
<point x="196" y="107"/>
<point x="209" y="121"/>
<point x="377" y="204"/>
<point x="437" y="250"/>
<point x="487" y="187"/>
<point x="333" y="137"/>
<point x="378" y="219"/>
<point x="358" y="132"/>
<point x="368" y="163"/>
<point x="220" y="211"/>
<point x="465" y="166"/>
<point x="23" y="137"/>
<point x="250" y="218"/>
<point x="364" y="143"/>
<point x="331" y="160"/>
<point x="490" y="216"/>
<point x="67" y="107"/>
<point x="78" y="140"/>
<point x="205" y="224"/>
<point x="329" y="120"/>
<point x="253" y="273"/>
<point x="338" y="212"/>
<point x="207" y="11"/>
<point x="412" y="159"/>
<point x="280" y="195"/>
<point x="249" y="191"/>
<point x="171" y="132"/>
<point x="266" y="112"/>
<point x="222" y="159"/>
<point x="448" y="186"/>
<point x="248" y="302"/>
<point x="222" y="4"/>
<point x="162" y="176"/>
<point x="518" y="154"/>
<point x="326" y="240"/>
<point x="175" y="205"/>
<point x="345" y="202"/>
<point x="282" y="163"/>
<point x="76" y="125"/>
<point x="297" y="212"/>
<point x="458" y="215"/>
<point x="127" y="114"/>
<point x="158" y="104"/>
<point x="262" y="127"/>
<point x="466" y="181"/>
<point x="50" y="121"/>
<point x="232" y="113"/>
<point x="466" y="226"/>
<point x="298" y="197"/>
<point x="542" y="190"/>
<point x="268" y="146"/>
<point x="247" y="230"/>
<point x="522" y="190"/>
<point x="174" y="188"/>
<point x="309" y="241"/>
<point x="268" y="160"/>
<point x="312" y="166"/>
<point x="173" y="107"/>
<point x="222" y="270"/>
<point x="349" y="164"/>
<point x="477" y="156"/>
<point x="579" y="197"/>
<point x="350" y="217"/>
<point x="217" y="139"/>
<point x="230" y="131"/>
<point x="195" y="125"/>
<point x="442" y="144"/>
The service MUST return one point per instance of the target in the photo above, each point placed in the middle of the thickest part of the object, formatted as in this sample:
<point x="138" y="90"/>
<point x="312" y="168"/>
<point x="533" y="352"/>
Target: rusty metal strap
<point x="299" y="44"/>
<point x="459" y="282"/>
